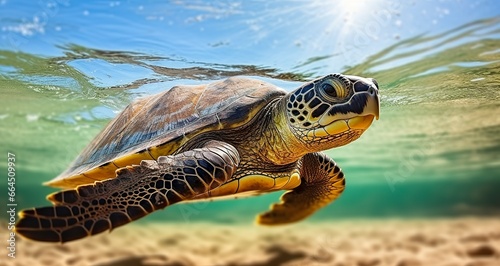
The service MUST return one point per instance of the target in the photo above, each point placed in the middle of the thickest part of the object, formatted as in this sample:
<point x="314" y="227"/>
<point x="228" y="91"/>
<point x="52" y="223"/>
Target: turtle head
<point x="332" y="111"/>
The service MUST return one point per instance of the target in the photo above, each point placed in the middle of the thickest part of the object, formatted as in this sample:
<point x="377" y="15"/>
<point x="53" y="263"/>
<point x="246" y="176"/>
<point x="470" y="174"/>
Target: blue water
<point x="68" y="67"/>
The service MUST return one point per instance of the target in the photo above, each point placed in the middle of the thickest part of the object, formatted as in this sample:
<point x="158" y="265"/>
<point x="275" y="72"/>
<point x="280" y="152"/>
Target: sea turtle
<point x="234" y="136"/>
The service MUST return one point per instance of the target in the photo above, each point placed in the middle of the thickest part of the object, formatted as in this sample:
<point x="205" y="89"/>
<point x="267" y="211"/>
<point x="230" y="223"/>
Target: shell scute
<point x="159" y="124"/>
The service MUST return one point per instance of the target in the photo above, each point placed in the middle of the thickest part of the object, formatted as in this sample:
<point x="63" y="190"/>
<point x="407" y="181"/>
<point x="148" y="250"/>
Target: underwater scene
<point x="422" y="183"/>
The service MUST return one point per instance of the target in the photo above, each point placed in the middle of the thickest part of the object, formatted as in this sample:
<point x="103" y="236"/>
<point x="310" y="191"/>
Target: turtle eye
<point x="329" y="89"/>
<point x="333" y="89"/>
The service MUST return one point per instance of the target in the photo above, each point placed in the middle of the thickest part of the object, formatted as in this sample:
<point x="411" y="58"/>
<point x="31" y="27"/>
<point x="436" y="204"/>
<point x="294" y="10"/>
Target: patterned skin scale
<point x="254" y="139"/>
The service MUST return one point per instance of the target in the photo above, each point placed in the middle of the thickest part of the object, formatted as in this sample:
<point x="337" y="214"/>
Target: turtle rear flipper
<point x="136" y="191"/>
<point x="322" y="182"/>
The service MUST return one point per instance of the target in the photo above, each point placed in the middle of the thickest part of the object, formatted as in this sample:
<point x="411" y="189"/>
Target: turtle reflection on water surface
<point x="237" y="136"/>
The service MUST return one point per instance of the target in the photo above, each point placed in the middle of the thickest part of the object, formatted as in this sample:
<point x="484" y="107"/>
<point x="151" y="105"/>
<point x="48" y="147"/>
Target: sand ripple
<point x="467" y="242"/>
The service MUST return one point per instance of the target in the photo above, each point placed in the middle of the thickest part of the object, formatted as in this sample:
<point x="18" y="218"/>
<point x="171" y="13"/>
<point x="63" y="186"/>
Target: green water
<point x="433" y="153"/>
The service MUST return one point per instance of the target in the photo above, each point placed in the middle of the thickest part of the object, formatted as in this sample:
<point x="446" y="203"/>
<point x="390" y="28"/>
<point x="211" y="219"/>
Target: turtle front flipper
<point x="322" y="182"/>
<point x="136" y="191"/>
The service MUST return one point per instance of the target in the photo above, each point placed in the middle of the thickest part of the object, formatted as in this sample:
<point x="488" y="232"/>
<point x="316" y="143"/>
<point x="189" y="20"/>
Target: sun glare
<point x="345" y="17"/>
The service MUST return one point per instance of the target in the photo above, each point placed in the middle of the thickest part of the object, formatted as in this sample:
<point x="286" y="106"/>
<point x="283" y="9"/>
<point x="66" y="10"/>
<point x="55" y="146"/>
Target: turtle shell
<point x="159" y="124"/>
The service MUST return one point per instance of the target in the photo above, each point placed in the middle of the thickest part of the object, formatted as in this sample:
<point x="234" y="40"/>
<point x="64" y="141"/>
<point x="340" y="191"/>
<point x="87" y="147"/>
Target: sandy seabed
<point x="464" y="241"/>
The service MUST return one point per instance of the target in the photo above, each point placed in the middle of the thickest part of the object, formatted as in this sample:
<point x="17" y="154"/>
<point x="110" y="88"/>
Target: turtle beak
<point x="371" y="110"/>
<point x="375" y="87"/>
<point x="370" y="88"/>
<point x="364" y="104"/>
<point x="373" y="103"/>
